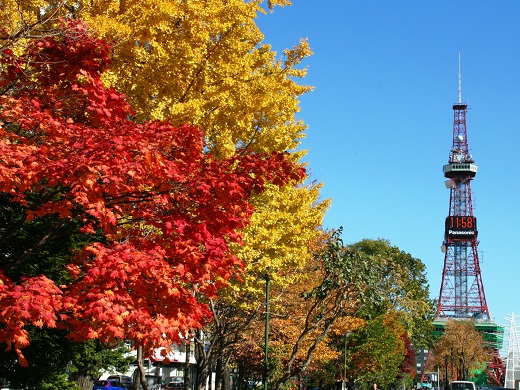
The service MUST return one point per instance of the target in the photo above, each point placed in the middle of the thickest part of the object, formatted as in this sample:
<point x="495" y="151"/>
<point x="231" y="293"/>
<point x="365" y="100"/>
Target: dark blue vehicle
<point x="108" y="384"/>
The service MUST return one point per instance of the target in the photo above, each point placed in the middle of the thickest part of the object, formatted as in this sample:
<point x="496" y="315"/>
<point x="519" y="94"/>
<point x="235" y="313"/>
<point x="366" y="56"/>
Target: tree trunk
<point x="141" y="376"/>
<point x="226" y="379"/>
<point x="240" y="378"/>
<point x="218" y="374"/>
<point x="187" y="350"/>
<point x="84" y="381"/>
<point x="201" y="356"/>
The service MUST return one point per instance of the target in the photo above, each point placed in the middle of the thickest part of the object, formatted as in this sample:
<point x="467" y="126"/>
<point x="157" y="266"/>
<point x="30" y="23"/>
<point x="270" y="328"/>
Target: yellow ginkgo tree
<point x="205" y="63"/>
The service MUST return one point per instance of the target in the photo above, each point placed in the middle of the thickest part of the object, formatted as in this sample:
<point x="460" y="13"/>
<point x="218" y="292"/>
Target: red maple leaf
<point x="165" y="208"/>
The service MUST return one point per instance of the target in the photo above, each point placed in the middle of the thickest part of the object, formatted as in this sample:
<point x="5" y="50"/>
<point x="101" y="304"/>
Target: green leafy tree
<point x="89" y="360"/>
<point x="56" y="360"/>
<point x="339" y="282"/>
<point x="50" y="353"/>
<point x="376" y="353"/>
<point x="402" y="314"/>
<point x="58" y="363"/>
<point x="405" y="289"/>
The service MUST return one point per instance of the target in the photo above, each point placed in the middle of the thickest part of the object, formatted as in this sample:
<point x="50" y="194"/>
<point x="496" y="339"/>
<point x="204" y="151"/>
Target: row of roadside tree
<point x="151" y="181"/>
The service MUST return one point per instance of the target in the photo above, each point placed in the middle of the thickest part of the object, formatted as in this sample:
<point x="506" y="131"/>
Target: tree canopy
<point x="196" y="62"/>
<point x="344" y="295"/>
<point x="405" y="286"/>
<point x="205" y="63"/>
<point x="155" y="209"/>
<point x="151" y="158"/>
<point x="460" y="350"/>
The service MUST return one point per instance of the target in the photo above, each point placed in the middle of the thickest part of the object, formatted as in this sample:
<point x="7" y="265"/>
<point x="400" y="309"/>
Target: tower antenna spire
<point x="460" y="84"/>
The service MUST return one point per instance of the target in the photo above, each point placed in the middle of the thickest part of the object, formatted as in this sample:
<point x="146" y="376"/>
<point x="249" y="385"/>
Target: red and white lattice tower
<point x="462" y="292"/>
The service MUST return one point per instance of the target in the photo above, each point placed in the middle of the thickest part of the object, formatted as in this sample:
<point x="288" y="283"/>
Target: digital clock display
<point x="461" y="226"/>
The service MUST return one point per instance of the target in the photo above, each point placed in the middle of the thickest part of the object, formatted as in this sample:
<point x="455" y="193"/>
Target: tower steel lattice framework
<point x="462" y="291"/>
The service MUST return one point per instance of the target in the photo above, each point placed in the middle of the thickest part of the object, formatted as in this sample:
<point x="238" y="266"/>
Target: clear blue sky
<point x="381" y="120"/>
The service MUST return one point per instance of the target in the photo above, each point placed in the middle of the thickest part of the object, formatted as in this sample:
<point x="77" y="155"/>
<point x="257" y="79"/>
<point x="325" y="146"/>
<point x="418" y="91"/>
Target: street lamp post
<point x="266" y="348"/>
<point x="344" y="383"/>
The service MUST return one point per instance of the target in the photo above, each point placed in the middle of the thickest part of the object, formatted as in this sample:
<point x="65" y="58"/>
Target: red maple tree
<point x="159" y="209"/>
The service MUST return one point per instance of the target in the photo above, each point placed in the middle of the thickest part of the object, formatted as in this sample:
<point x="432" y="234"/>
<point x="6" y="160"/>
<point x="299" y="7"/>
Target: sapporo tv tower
<point x="462" y="291"/>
